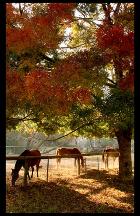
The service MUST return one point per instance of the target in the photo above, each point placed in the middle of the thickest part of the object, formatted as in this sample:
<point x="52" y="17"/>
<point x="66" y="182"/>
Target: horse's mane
<point x="25" y="153"/>
<point x="76" y="150"/>
<point x="19" y="163"/>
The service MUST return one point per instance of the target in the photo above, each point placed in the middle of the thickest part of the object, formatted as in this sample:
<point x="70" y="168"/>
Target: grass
<point x="93" y="192"/>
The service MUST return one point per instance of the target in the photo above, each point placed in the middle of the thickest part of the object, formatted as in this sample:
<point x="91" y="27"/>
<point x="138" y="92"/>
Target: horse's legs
<point x="37" y="167"/>
<point x="75" y="161"/>
<point x="58" y="161"/>
<point x="107" y="161"/>
<point x="28" y="175"/>
<point x="32" y="172"/>
<point x="114" y="158"/>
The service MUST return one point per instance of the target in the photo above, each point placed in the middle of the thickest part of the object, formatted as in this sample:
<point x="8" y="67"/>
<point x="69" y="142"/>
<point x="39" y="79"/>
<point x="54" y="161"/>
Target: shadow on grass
<point x="43" y="197"/>
<point x="109" y="179"/>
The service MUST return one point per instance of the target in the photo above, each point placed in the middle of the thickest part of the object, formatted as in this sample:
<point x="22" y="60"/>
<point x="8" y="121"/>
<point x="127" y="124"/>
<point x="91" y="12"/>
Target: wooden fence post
<point x="25" y="173"/>
<point x="85" y="164"/>
<point x="47" y="169"/>
<point x="98" y="161"/>
<point x="78" y="160"/>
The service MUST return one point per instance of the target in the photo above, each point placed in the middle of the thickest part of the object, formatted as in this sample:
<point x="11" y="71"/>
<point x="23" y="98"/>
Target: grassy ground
<point x="96" y="191"/>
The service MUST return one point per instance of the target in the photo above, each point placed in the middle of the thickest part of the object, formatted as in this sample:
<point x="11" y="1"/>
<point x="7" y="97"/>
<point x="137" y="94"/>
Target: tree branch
<point x="21" y="9"/>
<point x="107" y="13"/>
<point x="89" y="123"/>
<point x="117" y="9"/>
<point x="87" y="19"/>
<point x="111" y="81"/>
<point x="111" y="85"/>
<point x="20" y="119"/>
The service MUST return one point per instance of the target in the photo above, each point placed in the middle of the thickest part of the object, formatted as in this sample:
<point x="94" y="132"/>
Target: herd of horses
<point x="114" y="153"/>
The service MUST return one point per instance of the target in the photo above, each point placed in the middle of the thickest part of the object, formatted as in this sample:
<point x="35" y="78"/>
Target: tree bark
<point x="125" y="162"/>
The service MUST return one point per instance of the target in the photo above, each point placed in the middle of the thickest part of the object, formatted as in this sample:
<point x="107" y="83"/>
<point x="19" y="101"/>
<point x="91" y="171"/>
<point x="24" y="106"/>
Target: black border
<point x="2" y="107"/>
<point x="3" y="102"/>
<point x="137" y="110"/>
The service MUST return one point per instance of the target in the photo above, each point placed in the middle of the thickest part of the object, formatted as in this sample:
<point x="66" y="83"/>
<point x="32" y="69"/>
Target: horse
<point x="114" y="153"/>
<point x="30" y="163"/>
<point x="69" y="151"/>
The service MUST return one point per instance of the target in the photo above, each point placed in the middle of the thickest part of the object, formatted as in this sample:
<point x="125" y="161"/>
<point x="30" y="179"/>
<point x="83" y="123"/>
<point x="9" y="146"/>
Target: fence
<point x="48" y="158"/>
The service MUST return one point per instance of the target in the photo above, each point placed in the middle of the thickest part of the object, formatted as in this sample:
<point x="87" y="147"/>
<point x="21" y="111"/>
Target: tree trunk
<point x="125" y="162"/>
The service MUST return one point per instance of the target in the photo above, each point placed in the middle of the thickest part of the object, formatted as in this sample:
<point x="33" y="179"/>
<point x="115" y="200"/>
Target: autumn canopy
<point x="72" y="64"/>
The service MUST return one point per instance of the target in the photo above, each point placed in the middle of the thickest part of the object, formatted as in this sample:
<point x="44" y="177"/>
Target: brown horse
<point x="30" y="162"/>
<point x="114" y="153"/>
<point x="69" y="151"/>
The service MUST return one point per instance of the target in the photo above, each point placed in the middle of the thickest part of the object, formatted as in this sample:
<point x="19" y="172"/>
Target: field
<point x="94" y="191"/>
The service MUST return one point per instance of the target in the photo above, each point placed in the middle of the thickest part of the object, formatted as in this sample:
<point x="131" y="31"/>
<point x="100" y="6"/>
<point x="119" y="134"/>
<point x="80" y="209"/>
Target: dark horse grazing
<point x="31" y="163"/>
<point x="69" y="151"/>
<point x="114" y="153"/>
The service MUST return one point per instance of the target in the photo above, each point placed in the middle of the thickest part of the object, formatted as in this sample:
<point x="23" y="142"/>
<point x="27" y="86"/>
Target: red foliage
<point x="116" y="39"/>
<point x="42" y="88"/>
<point x="15" y="90"/>
<point x="10" y="16"/>
<point x="60" y="11"/>
<point x="119" y="47"/>
<point x="127" y="83"/>
<point x="82" y="95"/>
<point x="38" y="86"/>
<point x="37" y="30"/>
<point x="19" y="39"/>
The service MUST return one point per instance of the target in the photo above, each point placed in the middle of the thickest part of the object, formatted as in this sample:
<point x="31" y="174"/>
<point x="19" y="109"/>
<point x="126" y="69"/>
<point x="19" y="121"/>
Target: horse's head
<point x="15" y="176"/>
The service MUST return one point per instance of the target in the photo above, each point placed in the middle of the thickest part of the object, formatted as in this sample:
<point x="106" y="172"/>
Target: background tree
<point x="89" y="86"/>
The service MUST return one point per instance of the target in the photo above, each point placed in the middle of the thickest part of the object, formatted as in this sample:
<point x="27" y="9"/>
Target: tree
<point x="89" y="86"/>
<point x="114" y="47"/>
<point x="27" y="47"/>
<point x="122" y="55"/>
